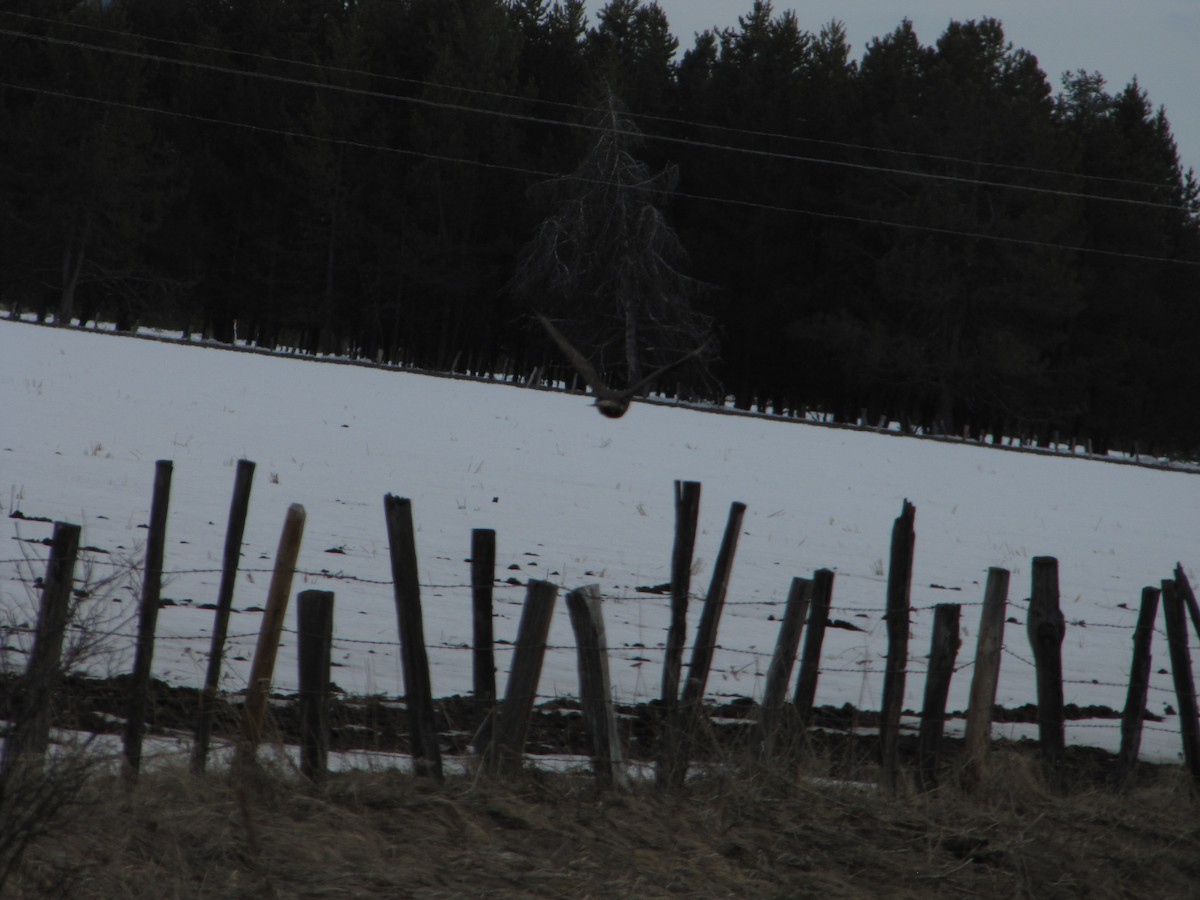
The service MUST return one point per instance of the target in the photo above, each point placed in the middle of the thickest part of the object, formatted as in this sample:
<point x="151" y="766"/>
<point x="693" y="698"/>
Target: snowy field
<point x="576" y="499"/>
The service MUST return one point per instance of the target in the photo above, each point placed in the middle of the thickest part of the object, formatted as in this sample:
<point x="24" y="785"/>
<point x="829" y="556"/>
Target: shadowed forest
<point x="941" y="234"/>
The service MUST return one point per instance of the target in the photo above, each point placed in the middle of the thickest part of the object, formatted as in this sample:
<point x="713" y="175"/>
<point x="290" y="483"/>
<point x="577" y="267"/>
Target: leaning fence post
<point x="1139" y="683"/>
<point x="418" y="690"/>
<point x="595" y="690"/>
<point x="1181" y="672"/>
<point x="780" y="672"/>
<point x="987" y="671"/>
<point x="29" y="734"/>
<point x="507" y="747"/>
<point x="314" y="615"/>
<point x="135" y="723"/>
<point x="810" y="661"/>
<point x="483" y="577"/>
<point x="1188" y="596"/>
<point x="238" y="508"/>
<point x="1047" y="627"/>
<point x="942" y="654"/>
<point x="262" y="670"/>
<point x="899" y="589"/>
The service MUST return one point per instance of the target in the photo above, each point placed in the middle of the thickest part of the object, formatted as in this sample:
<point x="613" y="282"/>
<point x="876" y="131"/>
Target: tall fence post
<point x="1184" y="587"/>
<point x="139" y="688"/>
<point x="899" y="590"/>
<point x="314" y="614"/>
<point x="238" y="509"/>
<point x="810" y="661"/>
<point x="1139" y="683"/>
<point x="692" y="696"/>
<point x="1047" y="627"/>
<point x="29" y="733"/>
<point x="986" y="675"/>
<point x="780" y="673"/>
<point x="942" y="653"/>
<point x="1181" y="672"/>
<point x="262" y="670"/>
<point x="595" y="689"/>
<point x="483" y="577"/>
<point x="507" y="748"/>
<point x="418" y="689"/>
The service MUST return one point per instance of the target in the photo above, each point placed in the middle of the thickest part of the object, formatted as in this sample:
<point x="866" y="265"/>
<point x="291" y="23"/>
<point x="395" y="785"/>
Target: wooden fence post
<point x="262" y="670"/>
<point x="1046" y="628"/>
<point x="687" y="516"/>
<point x="135" y="722"/>
<point x="595" y="689"/>
<point x="692" y="695"/>
<point x="418" y="689"/>
<point x="942" y="654"/>
<point x="483" y="577"/>
<point x="512" y="722"/>
<point x="780" y="673"/>
<point x="1184" y="587"/>
<point x="314" y="613"/>
<point x="29" y="732"/>
<point x="1139" y="684"/>
<point x="233" y="550"/>
<point x="899" y="590"/>
<point x="810" y="661"/>
<point x="1181" y="672"/>
<point x="987" y="672"/>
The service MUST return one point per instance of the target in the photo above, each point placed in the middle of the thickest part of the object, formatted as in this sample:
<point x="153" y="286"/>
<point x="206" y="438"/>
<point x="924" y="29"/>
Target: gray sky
<point x="1156" y="40"/>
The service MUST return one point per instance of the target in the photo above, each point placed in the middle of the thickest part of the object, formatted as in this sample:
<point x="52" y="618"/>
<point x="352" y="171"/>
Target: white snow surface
<point x="575" y="498"/>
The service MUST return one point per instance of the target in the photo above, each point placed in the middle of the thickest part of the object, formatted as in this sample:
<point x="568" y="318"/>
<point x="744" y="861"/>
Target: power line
<point x="540" y="173"/>
<point x="542" y="120"/>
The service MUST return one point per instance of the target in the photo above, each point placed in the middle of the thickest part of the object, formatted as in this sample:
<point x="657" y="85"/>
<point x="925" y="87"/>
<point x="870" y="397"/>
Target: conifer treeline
<point x="928" y="232"/>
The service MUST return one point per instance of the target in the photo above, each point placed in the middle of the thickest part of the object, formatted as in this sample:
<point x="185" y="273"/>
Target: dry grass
<point x="373" y="834"/>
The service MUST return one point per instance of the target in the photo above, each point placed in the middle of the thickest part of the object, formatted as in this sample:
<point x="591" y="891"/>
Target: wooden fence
<point x="502" y="724"/>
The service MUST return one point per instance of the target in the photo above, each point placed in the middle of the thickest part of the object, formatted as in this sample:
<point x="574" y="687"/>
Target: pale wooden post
<point x="780" y="672"/>
<point x="986" y="675"/>
<point x="1139" y="683"/>
<point x="942" y="653"/>
<point x="595" y="689"/>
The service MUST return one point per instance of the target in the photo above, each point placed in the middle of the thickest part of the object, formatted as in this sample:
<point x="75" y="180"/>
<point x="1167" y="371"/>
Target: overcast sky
<point x="1156" y="40"/>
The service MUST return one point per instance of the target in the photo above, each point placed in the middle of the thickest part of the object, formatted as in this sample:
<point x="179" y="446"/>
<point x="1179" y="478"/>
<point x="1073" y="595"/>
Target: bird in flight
<point x="610" y="402"/>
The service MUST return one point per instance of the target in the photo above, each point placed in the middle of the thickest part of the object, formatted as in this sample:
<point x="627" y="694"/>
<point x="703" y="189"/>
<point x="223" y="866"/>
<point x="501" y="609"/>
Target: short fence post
<point x="29" y="734"/>
<point x="314" y="613"/>
<point x="507" y="747"/>
<point x="1181" y="672"/>
<point x="418" y="690"/>
<point x="233" y="550"/>
<point x="692" y="698"/>
<point x="780" y="673"/>
<point x="1139" y="683"/>
<point x="262" y="670"/>
<point x="899" y="589"/>
<point x="942" y="654"/>
<point x="595" y="690"/>
<point x="1188" y="596"/>
<point x="987" y="671"/>
<point x="1047" y="627"/>
<point x="810" y="661"/>
<point x="135" y="723"/>
<point x="483" y="576"/>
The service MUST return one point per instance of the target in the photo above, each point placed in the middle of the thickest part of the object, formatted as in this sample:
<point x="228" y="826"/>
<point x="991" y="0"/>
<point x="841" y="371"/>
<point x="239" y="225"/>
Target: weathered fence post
<point x="595" y="690"/>
<point x="29" y="733"/>
<point x="810" y="661"/>
<point x="483" y="577"/>
<point x="1181" y="672"/>
<point x="987" y="671"/>
<point x="507" y="747"/>
<point x="780" y="673"/>
<point x="238" y="508"/>
<point x="314" y="614"/>
<point x="262" y="669"/>
<point x="1046" y="628"/>
<point x="899" y="589"/>
<point x="418" y="690"/>
<point x="687" y="515"/>
<point x="1139" y="683"/>
<point x="692" y="695"/>
<point x="942" y="653"/>
<point x="1188" y="596"/>
<point x="135" y="722"/>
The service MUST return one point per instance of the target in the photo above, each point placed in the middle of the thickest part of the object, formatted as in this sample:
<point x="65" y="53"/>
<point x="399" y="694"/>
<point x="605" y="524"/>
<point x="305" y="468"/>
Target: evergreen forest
<point x="939" y="234"/>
